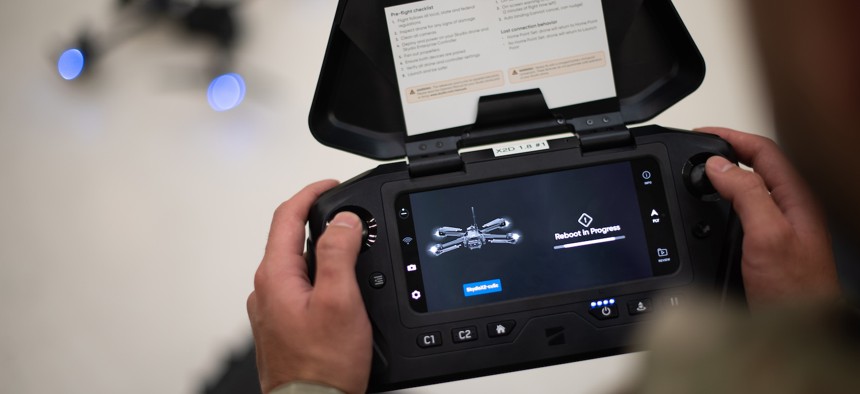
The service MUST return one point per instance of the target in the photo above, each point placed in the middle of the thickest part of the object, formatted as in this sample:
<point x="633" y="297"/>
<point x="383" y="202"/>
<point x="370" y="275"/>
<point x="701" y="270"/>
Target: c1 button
<point x="430" y="339"/>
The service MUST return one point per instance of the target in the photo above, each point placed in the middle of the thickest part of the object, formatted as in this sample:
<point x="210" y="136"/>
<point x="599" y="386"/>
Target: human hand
<point x="317" y="333"/>
<point x="787" y="255"/>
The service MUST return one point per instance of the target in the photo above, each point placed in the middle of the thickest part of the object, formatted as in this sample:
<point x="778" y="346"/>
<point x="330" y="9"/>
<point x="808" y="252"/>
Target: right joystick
<point x="696" y="179"/>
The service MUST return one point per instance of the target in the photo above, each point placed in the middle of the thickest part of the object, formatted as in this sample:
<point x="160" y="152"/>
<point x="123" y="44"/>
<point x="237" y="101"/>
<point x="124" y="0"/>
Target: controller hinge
<point x="434" y="156"/>
<point x="605" y="140"/>
<point x="603" y="131"/>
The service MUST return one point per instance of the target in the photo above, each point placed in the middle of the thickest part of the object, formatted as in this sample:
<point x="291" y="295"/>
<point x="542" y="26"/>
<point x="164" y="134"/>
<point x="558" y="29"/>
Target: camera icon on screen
<point x="412" y="267"/>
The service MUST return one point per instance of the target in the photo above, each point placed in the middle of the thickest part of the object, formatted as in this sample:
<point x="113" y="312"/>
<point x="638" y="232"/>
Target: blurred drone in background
<point x="213" y="20"/>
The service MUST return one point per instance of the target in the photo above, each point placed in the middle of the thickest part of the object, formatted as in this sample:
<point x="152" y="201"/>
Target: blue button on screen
<point x="485" y="287"/>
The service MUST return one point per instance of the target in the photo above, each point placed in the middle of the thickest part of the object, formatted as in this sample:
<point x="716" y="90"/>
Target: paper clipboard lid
<point x="357" y="108"/>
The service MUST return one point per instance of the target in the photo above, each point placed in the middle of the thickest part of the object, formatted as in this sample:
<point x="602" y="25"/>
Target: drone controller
<point x="523" y="254"/>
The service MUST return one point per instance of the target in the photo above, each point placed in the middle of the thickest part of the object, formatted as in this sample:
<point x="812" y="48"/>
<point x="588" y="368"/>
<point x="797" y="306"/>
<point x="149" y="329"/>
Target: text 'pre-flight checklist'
<point x="449" y="53"/>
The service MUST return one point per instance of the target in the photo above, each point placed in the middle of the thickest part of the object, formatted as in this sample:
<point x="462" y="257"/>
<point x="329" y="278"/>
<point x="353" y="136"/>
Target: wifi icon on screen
<point x="407" y="240"/>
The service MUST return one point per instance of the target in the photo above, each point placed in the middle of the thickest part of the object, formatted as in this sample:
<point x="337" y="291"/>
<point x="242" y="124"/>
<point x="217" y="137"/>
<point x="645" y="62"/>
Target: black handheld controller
<point x="593" y="241"/>
<point x="524" y="254"/>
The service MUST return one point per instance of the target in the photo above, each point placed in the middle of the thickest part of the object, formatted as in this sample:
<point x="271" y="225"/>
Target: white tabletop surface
<point x="133" y="216"/>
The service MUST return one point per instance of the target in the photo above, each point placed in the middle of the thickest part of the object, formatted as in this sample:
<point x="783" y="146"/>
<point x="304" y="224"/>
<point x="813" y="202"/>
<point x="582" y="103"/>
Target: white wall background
<point x="132" y="216"/>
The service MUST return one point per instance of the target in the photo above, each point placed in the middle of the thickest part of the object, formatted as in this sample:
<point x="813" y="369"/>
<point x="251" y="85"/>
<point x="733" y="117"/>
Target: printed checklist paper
<point x="449" y="53"/>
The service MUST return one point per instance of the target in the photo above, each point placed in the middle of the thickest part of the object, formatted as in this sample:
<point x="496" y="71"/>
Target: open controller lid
<point x="359" y="105"/>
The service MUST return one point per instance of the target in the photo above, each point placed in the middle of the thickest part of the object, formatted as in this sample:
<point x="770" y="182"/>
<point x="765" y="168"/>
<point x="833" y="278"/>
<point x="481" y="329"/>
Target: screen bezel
<point x="522" y="166"/>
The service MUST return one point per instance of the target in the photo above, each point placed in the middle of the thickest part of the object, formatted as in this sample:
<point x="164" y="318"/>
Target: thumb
<point x="336" y="254"/>
<point x="746" y="191"/>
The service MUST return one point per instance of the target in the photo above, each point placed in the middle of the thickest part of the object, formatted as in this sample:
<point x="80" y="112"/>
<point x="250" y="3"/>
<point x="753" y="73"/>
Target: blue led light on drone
<point x="71" y="64"/>
<point x="593" y="304"/>
<point x="226" y="92"/>
<point x="612" y="301"/>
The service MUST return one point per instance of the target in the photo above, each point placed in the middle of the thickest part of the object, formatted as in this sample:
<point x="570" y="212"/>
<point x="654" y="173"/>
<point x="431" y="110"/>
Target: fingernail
<point x="345" y="219"/>
<point x="719" y="164"/>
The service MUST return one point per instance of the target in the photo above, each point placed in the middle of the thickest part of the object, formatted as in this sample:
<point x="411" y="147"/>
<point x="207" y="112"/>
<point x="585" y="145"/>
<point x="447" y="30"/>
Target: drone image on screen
<point x="474" y="237"/>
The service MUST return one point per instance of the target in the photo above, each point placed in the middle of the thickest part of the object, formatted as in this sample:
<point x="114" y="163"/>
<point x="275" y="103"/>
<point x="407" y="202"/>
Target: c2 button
<point x="464" y="334"/>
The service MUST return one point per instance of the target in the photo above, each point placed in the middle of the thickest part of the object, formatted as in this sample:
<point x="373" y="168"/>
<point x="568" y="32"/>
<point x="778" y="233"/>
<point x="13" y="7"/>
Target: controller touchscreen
<point x="540" y="234"/>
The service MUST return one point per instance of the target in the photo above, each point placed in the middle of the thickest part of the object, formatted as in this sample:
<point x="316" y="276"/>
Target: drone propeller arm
<point x="510" y="238"/>
<point x="449" y="232"/>
<point x="439" y="249"/>
<point x="502" y="240"/>
<point x="494" y="225"/>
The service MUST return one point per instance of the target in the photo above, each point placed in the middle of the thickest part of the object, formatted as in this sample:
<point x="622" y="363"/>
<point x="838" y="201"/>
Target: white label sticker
<point x="522" y="147"/>
<point x="449" y="53"/>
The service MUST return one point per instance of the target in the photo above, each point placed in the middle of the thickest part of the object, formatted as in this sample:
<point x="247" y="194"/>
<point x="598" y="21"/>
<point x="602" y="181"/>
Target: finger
<point x="287" y="233"/>
<point x="760" y="153"/>
<point x="787" y="187"/>
<point x="251" y="305"/>
<point x="747" y="192"/>
<point x="336" y="255"/>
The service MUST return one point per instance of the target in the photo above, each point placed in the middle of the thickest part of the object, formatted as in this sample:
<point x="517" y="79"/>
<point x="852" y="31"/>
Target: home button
<point x="500" y="329"/>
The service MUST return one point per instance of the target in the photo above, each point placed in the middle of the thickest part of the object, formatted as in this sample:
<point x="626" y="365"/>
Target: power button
<point x="604" y="309"/>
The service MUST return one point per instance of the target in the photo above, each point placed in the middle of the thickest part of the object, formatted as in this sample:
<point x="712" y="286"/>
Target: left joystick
<point x="368" y="224"/>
